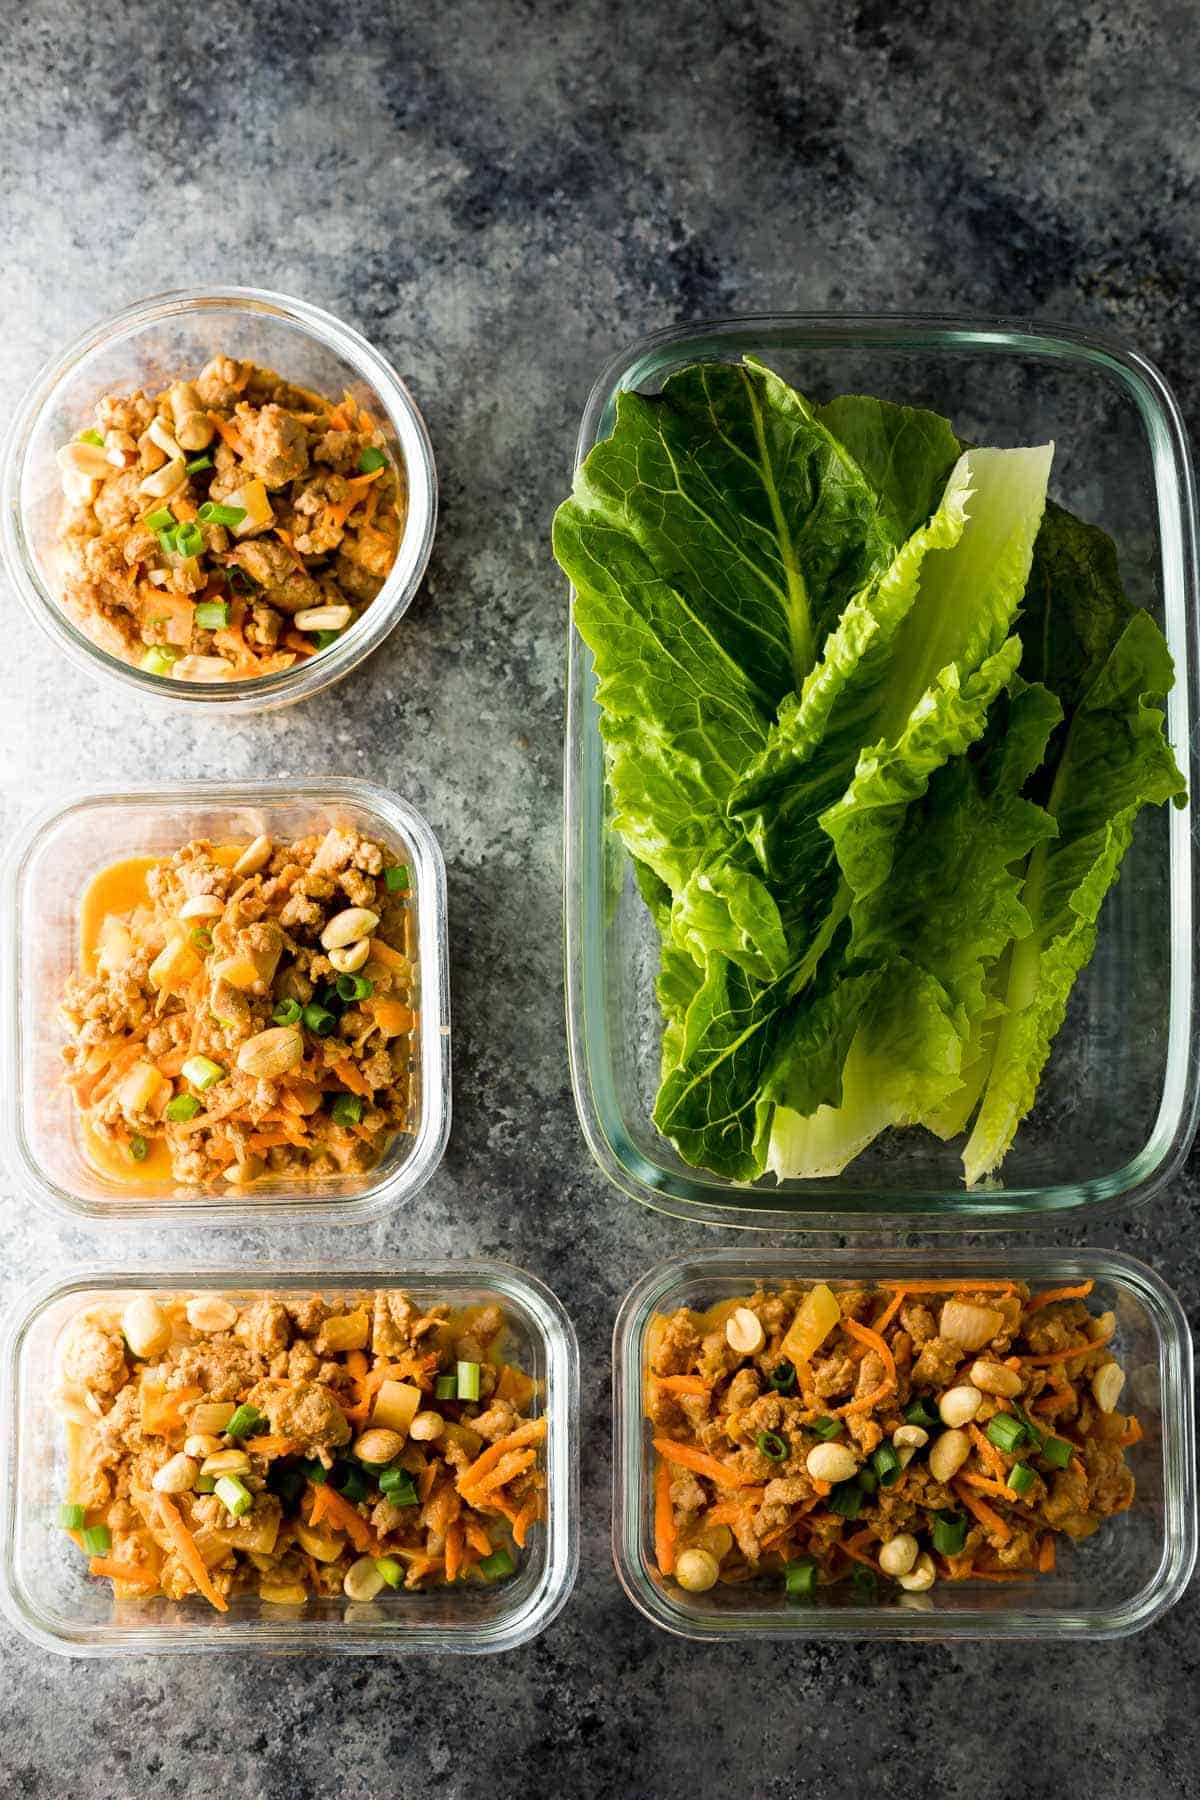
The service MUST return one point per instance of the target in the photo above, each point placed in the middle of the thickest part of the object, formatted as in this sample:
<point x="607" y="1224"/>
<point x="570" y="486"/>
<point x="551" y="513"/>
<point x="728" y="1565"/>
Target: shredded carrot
<point x="872" y="1341"/>
<point x="420" y="1567"/>
<point x="664" y="1520"/>
<point x="358" y="486"/>
<point x="700" y="1463"/>
<point x="683" y="1384"/>
<point x="1132" y="1433"/>
<point x="968" y="1285"/>
<point x="229" y="432"/>
<point x="478" y="1538"/>
<point x="986" y="1485"/>
<point x="1068" y="1355"/>
<point x="295" y="640"/>
<point x="777" y="1537"/>
<point x="454" y="1550"/>
<point x="728" y="1512"/>
<point x="1059" y="1401"/>
<point x="821" y="1487"/>
<point x="1062" y="1293"/>
<point x="529" y="1514"/>
<point x="516" y="1386"/>
<point x="1078" y="1469"/>
<point x="989" y="1455"/>
<point x="531" y="1432"/>
<point x="426" y="1479"/>
<point x="865" y="1402"/>
<point x="988" y="1517"/>
<point x="162" y="1408"/>
<point x="506" y="1470"/>
<point x="891" y="1309"/>
<point x="137" y="1573"/>
<point x="269" y="1445"/>
<point x="184" y="1545"/>
<point x="329" y="1504"/>
<point x="853" y="1549"/>
<point x="1045" y="1558"/>
<point x="391" y="959"/>
<point x="350" y="1078"/>
<point x="122" y="1060"/>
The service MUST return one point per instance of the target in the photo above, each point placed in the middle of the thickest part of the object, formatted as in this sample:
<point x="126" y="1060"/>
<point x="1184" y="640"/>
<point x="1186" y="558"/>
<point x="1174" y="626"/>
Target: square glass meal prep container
<point x="45" y="1587"/>
<point x="1111" y="1585"/>
<point x="50" y="867"/>
<point x="1117" y="1103"/>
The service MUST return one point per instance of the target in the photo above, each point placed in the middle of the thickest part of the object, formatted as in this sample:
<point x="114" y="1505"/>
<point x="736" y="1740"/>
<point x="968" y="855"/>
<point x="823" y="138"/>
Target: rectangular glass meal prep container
<point x="1117" y="1104"/>
<point x="49" y="868"/>
<point x="45" y="1586"/>
<point x="1111" y="1585"/>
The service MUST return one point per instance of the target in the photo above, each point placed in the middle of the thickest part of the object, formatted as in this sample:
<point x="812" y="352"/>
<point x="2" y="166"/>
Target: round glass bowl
<point x="147" y="346"/>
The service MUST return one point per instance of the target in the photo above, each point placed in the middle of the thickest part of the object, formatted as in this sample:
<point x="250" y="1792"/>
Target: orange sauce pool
<point x="120" y="889"/>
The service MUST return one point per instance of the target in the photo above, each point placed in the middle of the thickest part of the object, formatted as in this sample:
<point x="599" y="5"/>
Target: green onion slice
<point x="71" y="1517"/>
<point x="211" y="615"/>
<point x="468" y="1381"/>
<point x="160" y="658"/>
<point x="161" y="519"/>
<point x="354" y="987"/>
<point x="234" y="1495"/>
<point x="287" y="1012"/>
<point x="197" y="463"/>
<point x="395" y="879"/>
<point x="919" y="1412"/>
<point x="370" y="460"/>
<point x="245" y="1422"/>
<point x="205" y="1484"/>
<point x="949" y="1533"/>
<point x="1032" y="1430"/>
<point x="887" y="1465"/>
<point x="1057" y="1452"/>
<point x="97" y="1540"/>
<point x="350" y="1483"/>
<point x="202" y="1072"/>
<point x="496" y="1566"/>
<point x="783" y="1377"/>
<point x="202" y="937"/>
<point x="800" y="1578"/>
<point x="1020" y="1478"/>
<point x="314" y="1471"/>
<point x="774" y="1447"/>
<point x="392" y="1571"/>
<point x="396" y="1486"/>
<point x="214" y="513"/>
<point x="91" y="436"/>
<point x="182" y="1108"/>
<point x="189" y="539"/>
<point x="347" y="1109"/>
<point x="139" y="1149"/>
<point x="1007" y="1433"/>
<point x="446" y="1387"/>
<point x="846" y="1500"/>
<point x="319" y="1021"/>
<point x="827" y="1429"/>
<point x="325" y="638"/>
<point x="867" y="1480"/>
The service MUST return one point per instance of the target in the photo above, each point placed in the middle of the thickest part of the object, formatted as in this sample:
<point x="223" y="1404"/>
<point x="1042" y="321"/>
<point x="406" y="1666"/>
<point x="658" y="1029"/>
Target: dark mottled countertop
<point x="501" y="194"/>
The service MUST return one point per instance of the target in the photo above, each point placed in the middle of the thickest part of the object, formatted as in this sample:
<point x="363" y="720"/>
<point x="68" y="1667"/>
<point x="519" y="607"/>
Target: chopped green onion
<point x="949" y="1533"/>
<point x="350" y="1483"/>
<point x="97" y="1540"/>
<point x="1007" y="1433"/>
<point x="827" y="1429"/>
<point x="396" y="1486"/>
<point x="496" y="1566"/>
<point x="1020" y="1478"/>
<point x="205" y="1484"/>
<point x="182" y="1107"/>
<point x="160" y="659"/>
<point x="329" y="999"/>
<point x="245" y="1421"/>
<point x="91" y="436"/>
<point x="287" y="1012"/>
<point x="189" y="539"/>
<point x="391" y="1570"/>
<point x="202" y="1072"/>
<point x="783" y="1377"/>
<point x="1033" y="1431"/>
<point x="866" y="1581"/>
<point x="214" y="513"/>
<point x="325" y="638"/>
<point x="370" y="460"/>
<point x="867" y="1480"/>
<point x="395" y="879"/>
<point x="202" y="937"/>
<point x="161" y="520"/>
<point x="773" y="1447"/>
<point x="71" y="1517"/>
<point x="139" y="1149"/>
<point x="468" y="1381"/>
<point x="197" y="463"/>
<point x="234" y="1495"/>
<point x="846" y="1500"/>
<point x="211" y="615"/>
<point x="800" y="1578"/>
<point x="319" y="1021"/>
<point x="286" y="1479"/>
<point x="354" y="987"/>
<point x="918" y="1412"/>
<point x="346" y="1109"/>
<point x="166" y="541"/>
<point x="888" y="1466"/>
<point x="1057" y="1452"/>
<point x="314" y="1471"/>
<point x="446" y="1387"/>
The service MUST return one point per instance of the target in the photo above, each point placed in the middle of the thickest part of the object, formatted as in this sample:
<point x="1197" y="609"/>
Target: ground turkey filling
<point x="221" y="1020"/>
<point x="297" y="1448"/>
<point x="912" y="1434"/>
<point x="227" y="527"/>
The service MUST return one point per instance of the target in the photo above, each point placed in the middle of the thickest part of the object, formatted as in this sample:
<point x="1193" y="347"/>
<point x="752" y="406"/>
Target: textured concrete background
<point x="500" y="194"/>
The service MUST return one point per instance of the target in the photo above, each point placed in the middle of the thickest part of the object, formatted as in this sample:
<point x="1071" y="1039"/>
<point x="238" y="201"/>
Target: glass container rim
<point x="252" y="693"/>
<point x="706" y="1199"/>
<point x="561" y="1563"/>
<point x="1177" y="1560"/>
<point x="433" y="969"/>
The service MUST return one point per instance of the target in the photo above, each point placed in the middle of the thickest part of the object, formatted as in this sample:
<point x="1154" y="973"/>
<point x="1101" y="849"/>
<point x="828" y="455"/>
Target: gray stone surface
<point x="500" y="195"/>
